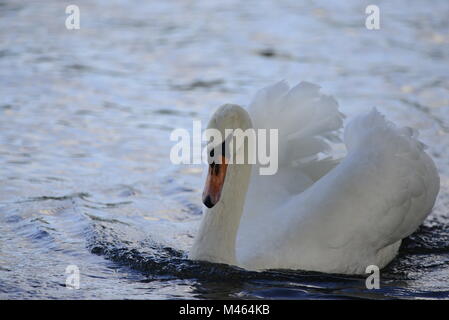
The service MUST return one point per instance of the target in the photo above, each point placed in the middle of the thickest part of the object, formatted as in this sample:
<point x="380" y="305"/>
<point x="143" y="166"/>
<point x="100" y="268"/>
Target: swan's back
<point x="395" y="177"/>
<point x="334" y="216"/>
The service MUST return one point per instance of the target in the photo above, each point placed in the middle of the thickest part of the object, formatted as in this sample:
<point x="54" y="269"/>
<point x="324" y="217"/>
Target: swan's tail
<point x="307" y="120"/>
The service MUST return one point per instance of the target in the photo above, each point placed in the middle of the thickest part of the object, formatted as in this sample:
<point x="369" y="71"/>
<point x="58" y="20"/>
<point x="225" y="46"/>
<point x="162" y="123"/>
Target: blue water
<point x="85" y="118"/>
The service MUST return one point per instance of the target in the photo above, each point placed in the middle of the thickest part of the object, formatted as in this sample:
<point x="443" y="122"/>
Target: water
<point x="85" y="118"/>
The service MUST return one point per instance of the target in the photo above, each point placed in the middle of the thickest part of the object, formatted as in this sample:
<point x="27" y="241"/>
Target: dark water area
<point x="85" y="119"/>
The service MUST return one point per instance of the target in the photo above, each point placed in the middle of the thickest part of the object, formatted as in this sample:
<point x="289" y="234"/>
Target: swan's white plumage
<point x="325" y="214"/>
<point x="307" y="121"/>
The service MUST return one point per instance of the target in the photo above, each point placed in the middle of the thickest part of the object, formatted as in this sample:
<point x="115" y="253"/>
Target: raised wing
<point x="307" y="121"/>
<point x="380" y="193"/>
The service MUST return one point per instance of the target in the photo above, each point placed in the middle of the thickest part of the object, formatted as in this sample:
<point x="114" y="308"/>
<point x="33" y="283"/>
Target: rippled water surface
<point x="85" y="118"/>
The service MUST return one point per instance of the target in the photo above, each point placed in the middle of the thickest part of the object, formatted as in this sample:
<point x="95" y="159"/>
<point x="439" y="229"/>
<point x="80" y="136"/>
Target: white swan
<point x="315" y="213"/>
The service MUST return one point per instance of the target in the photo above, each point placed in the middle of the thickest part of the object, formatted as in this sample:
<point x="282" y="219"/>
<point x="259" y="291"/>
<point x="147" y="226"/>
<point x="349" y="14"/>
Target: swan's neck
<point x="216" y="237"/>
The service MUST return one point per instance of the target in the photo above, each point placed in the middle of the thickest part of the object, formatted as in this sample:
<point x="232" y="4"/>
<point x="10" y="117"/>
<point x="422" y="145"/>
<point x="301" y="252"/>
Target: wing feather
<point x="383" y="189"/>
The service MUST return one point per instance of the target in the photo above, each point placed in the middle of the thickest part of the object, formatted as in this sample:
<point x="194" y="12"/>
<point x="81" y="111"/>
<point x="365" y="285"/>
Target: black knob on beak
<point x="208" y="202"/>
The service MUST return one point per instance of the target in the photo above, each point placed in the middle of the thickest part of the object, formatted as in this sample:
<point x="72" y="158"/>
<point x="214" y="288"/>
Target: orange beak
<point x="214" y="183"/>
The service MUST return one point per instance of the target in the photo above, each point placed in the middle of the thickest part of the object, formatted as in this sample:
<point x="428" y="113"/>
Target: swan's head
<point x="225" y="120"/>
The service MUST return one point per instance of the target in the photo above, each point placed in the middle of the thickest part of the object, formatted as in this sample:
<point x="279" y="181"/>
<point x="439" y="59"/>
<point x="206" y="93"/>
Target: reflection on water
<point x="85" y="118"/>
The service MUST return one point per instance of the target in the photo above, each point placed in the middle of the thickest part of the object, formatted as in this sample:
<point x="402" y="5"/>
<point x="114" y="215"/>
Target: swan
<point x="317" y="213"/>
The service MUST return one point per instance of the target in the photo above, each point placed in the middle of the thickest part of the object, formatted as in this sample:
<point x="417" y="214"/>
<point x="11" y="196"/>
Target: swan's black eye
<point x="212" y="153"/>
